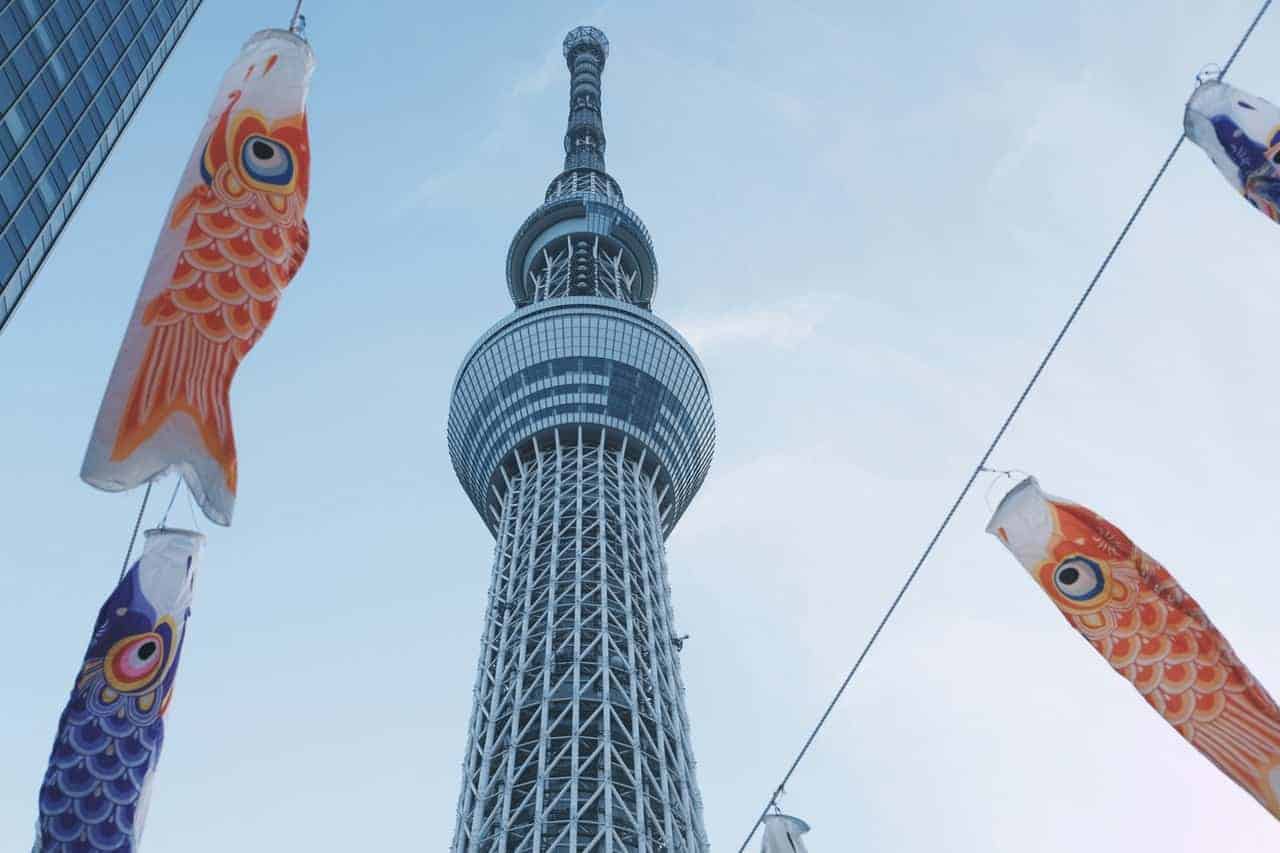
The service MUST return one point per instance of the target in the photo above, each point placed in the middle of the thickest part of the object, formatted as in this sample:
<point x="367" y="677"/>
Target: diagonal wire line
<point x="164" y="519"/>
<point x="137" y="524"/>
<point x="982" y="462"/>
<point x="1244" y="38"/>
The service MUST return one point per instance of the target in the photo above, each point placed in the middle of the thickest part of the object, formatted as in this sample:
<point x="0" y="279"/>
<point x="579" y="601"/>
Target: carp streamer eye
<point x="267" y="161"/>
<point x="1078" y="578"/>
<point x="133" y="661"/>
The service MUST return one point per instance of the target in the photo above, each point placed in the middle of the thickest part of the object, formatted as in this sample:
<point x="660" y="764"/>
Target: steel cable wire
<point x="982" y="462"/>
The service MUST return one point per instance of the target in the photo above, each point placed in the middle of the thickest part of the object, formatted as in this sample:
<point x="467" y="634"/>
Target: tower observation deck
<point x="581" y="427"/>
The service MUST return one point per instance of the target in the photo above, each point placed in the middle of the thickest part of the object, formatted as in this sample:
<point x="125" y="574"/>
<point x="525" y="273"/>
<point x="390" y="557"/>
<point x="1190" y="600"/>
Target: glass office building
<point x="581" y="427"/>
<point x="72" y="74"/>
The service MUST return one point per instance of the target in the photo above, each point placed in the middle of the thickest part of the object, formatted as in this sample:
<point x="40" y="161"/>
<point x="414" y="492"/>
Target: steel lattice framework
<point x="581" y="427"/>
<point x="577" y="266"/>
<point x="579" y="740"/>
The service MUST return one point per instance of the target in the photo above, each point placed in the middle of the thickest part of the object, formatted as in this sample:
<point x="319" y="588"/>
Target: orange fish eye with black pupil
<point x="1079" y="579"/>
<point x="133" y="662"/>
<point x="267" y="162"/>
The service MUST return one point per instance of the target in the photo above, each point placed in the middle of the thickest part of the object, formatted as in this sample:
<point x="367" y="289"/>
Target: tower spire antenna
<point x="585" y="51"/>
<point x="583" y="240"/>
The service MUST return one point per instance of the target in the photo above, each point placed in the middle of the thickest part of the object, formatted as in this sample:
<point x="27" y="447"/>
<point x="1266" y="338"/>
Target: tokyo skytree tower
<point x="581" y="427"/>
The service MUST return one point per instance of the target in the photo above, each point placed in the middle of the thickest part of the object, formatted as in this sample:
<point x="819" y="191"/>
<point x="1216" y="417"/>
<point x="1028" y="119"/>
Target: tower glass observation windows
<point x="582" y="360"/>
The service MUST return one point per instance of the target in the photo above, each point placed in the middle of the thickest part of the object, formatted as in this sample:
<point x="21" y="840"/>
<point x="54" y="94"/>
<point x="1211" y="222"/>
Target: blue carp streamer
<point x="1241" y="134"/>
<point x="96" y="789"/>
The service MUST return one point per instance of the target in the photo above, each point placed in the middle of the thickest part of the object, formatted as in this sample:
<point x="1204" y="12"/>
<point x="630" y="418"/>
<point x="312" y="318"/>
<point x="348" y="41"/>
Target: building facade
<point x="71" y="76"/>
<point x="581" y="427"/>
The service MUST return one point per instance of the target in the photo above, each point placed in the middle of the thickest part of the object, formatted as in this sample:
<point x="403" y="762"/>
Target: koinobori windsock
<point x="783" y="834"/>
<point x="1136" y="615"/>
<point x="1241" y="134"/>
<point x="233" y="239"/>
<point x="95" y="792"/>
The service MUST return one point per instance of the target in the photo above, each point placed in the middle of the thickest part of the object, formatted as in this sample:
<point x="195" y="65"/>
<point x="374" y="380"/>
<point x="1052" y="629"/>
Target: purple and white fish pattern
<point x="98" y="784"/>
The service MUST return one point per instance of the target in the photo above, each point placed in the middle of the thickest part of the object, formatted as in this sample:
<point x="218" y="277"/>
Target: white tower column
<point x="580" y="427"/>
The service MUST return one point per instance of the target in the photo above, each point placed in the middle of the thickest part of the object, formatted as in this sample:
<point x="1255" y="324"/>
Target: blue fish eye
<point x="267" y="161"/>
<point x="1078" y="578"/>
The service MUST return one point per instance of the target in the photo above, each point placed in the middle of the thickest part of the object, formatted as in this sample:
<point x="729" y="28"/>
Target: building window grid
<point x="59" y="113"/>
<point x="12" y="28"/>
<point x="96" y="105"/>
<point x="69" y="40"/>
<point x="11" y="288"/>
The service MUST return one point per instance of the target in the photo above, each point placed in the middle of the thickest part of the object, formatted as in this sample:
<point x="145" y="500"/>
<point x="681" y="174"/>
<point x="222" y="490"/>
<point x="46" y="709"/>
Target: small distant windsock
<point x="782" y="834"/>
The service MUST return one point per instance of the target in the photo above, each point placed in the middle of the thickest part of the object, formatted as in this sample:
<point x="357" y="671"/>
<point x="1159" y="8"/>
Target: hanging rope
<point x="982" y="462"/>
<point x="164" y="519"/>
<point x="191" y="504"/>
<point x="297" y="22"/>
<point x="134" y="537"/>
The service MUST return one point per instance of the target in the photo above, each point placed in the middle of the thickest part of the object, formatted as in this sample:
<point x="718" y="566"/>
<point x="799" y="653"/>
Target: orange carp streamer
<point x="1136" y="615"/>
<point x="233" y="240"/>
<point x="244" y="244"/>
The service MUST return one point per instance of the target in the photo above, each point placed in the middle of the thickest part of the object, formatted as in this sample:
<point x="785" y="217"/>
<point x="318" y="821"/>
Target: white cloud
<point x="549" y="70"/>
<point x="430" y="189"/>
<point x="784" y="324"/>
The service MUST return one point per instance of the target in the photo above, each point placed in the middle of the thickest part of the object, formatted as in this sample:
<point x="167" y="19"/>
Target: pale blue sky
<point x="870" y="218"/>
